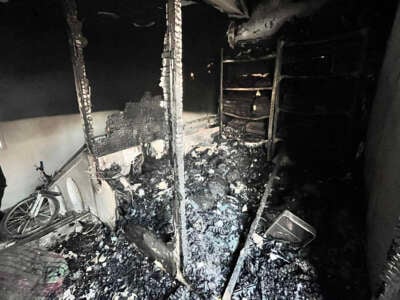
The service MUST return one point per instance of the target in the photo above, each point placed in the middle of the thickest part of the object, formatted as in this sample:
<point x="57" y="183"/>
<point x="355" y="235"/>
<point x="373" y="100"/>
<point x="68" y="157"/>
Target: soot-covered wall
<point x="53" y="140"/>
<point x="382" y="158"/>
<point x="123" y="60"/>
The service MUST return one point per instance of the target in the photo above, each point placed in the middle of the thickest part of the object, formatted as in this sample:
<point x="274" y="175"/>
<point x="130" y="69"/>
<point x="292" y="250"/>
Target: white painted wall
<point x="50" y="139"/>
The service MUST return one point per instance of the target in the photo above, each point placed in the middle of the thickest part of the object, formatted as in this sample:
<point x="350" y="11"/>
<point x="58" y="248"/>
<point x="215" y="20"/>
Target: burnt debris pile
<point x="277" y="270"/>
<point x="104" y="265"/>
<point x="331" y="199"/>
<point x="224" y="184"/>
<point x="145" y="198"/>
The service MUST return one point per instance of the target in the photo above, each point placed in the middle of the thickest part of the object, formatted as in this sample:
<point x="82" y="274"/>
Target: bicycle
<point x="33" y="213"/>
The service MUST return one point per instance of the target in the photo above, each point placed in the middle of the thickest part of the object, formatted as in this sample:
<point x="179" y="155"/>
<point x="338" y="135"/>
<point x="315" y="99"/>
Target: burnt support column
<point x="172" y="84"/>
<point x="77" y="43"/>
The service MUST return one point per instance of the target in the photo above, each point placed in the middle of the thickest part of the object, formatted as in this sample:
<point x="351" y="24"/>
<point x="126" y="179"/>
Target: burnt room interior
<point x="199" y="149"/>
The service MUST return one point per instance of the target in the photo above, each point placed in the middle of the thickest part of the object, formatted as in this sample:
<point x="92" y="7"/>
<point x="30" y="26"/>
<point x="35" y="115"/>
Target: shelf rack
<point x="270" y="61"/>
<point x="355" y="75"/>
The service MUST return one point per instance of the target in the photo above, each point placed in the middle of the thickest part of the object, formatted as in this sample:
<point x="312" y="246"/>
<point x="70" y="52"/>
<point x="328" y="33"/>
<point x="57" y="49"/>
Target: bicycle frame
<point x="34" y="210"/>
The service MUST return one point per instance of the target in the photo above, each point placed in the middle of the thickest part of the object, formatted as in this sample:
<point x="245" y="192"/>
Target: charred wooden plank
<point x="245" y="250"/>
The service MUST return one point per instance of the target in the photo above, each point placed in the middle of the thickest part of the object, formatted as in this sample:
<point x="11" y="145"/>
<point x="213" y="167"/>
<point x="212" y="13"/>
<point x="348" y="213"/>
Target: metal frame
<point x="268" y="141"/>
<point x="274" y="101"/>
<point x="272" y="136"/>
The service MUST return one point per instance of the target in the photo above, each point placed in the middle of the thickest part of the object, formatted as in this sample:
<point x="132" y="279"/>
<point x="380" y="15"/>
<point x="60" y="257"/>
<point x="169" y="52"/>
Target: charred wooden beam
<point x="172" y="84"/>
<point x="249" y="240"/>
<point x="268" y="17"/>
<point x="77" y="42"/>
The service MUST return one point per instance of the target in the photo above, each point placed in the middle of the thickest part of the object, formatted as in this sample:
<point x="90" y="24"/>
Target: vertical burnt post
<point x="77" y="43"/>
<point x="273" y="113"/>
<point x="172" y="84"/>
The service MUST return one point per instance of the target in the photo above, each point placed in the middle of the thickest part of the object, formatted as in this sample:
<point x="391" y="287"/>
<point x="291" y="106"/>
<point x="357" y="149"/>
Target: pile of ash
<point x="276" y="270"/>
<point x="103" y="265"/>
<point x="251" y="132"/>
<point x="224" y="184"/>
<point x="145" y="198"/>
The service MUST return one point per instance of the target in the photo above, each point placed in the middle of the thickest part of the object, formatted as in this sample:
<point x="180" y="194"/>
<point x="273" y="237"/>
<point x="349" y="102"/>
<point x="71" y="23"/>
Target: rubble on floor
<point x="277" y="270"/>
<point x="145" y="198"/>
<point x="331" y="199"/>
<point x="104" y="265"/>
<point x="242" y="130"/>
<point x="224" y="184"/>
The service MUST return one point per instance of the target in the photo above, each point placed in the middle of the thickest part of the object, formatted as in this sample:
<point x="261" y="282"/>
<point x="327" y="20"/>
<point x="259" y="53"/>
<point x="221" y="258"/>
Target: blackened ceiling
<point x="125" y="43"/>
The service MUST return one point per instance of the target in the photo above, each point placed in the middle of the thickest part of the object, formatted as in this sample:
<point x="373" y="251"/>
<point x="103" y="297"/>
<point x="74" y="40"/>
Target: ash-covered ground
<point x="224" y="184"/>
<point x="104" y="265"/>
<point x="277" y="270"/>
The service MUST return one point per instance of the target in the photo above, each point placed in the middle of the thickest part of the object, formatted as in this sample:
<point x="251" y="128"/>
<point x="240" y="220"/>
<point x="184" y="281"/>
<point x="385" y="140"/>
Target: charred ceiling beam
<point x="268" y="17"/>
<point x="234" y="8"/>
<point x="172" y="84"/>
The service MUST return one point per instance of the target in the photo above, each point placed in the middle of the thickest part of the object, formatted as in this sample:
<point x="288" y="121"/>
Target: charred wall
<point x="382" y="162"/>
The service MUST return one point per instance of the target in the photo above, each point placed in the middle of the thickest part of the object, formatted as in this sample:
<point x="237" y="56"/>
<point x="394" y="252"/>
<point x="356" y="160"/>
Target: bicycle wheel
<point x="20" y="223"/>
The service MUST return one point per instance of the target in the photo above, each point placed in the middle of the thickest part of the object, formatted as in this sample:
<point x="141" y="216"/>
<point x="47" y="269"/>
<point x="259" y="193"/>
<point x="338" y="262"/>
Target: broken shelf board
<point x="250" y="59"/>
<point x="325" y="76"/>
<point x="247" y="89"/>
<point x="245" y="118"/>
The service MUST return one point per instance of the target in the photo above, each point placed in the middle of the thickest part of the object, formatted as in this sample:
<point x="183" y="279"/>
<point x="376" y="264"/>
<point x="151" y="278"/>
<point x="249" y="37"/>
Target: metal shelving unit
<point x="269" y="91"/>
<point x="330" y="74"/>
